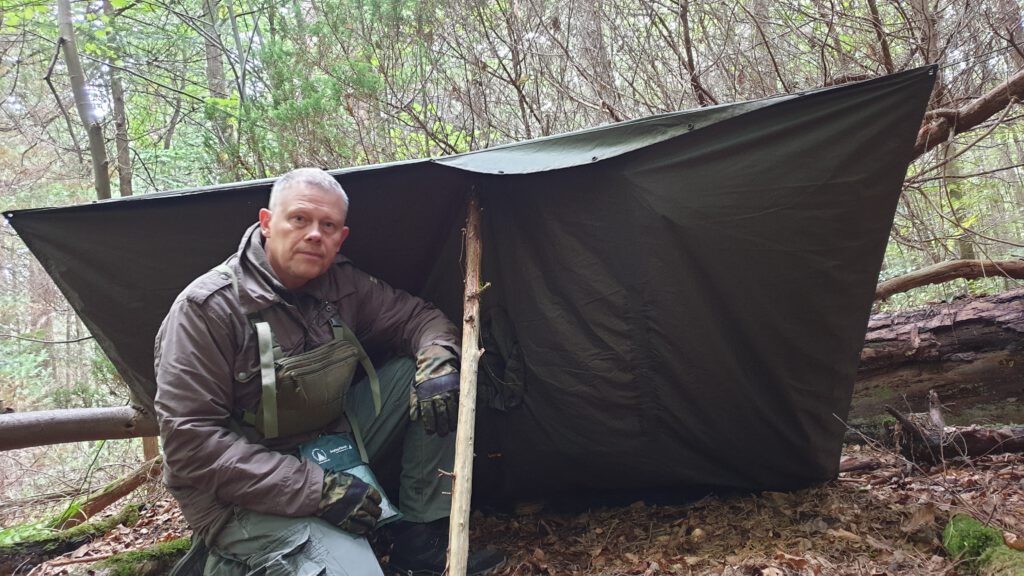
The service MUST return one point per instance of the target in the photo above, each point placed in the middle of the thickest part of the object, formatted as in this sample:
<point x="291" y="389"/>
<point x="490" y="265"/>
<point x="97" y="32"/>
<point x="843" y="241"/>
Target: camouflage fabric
<point x="433" y="361"/>
<point x="435" y="403"/>
<point x="349" y="503"/>
<point x="434" y="397"/>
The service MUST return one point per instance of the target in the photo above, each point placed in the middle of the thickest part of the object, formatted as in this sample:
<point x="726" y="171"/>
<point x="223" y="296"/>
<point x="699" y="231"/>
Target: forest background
<point x="117" y="97"/>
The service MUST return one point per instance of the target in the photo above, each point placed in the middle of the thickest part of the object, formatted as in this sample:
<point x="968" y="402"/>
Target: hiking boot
<point x="421" y="549"/>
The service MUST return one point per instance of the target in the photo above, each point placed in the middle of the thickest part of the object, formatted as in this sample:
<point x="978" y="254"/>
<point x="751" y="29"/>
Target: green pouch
<point x="338" y="453"/>
<point x="311" y="387"/>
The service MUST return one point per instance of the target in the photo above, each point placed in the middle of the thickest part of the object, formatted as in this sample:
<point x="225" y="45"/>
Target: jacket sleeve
<point x="194" y="404"/>
<point x="396" y="320"/>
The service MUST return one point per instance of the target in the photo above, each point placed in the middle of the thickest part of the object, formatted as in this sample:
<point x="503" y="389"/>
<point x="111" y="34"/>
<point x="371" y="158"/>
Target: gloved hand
<point x="349" y="503"/>
<point x="436" y="403"/>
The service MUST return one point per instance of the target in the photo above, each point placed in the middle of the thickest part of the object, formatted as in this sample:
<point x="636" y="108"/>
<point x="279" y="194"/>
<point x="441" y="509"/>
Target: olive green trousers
<point x="252" y="543"/>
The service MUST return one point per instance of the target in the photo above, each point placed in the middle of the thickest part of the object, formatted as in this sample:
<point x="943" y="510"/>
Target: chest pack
<point x="306" y="392"/>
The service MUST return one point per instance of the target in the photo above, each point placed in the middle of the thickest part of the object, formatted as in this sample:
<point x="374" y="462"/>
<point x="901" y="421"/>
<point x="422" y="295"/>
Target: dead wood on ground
<point x="927" y="440"/>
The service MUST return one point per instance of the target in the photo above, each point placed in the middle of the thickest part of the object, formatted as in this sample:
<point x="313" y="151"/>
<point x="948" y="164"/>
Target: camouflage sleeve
<point x="434" y="361"/>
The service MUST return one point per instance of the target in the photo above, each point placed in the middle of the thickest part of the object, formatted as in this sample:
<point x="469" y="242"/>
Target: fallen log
<point x="111" y="493"/>
<point x="156" y="560"/>
<point x="21" y="557"/>
<point x="953" y="331"/>
<point x="927" y="440"/>
<point x="970" y="351"/>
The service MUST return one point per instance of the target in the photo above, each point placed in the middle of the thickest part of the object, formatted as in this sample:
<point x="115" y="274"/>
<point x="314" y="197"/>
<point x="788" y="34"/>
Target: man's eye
<point x="298" y="219"/>
<point x="330" y="226"/>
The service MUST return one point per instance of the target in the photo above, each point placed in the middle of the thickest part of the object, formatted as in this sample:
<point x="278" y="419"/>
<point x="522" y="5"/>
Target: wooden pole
<point x="25" y="429"/>
<point x="462" y="481"/>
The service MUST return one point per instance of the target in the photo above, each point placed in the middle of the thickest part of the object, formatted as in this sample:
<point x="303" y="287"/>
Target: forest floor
<point x="885" y="519"/>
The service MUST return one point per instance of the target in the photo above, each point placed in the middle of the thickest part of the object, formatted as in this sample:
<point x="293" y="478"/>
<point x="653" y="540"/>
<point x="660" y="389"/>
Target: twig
<point x="15" y="337"/>
<point x="66" y="562"/>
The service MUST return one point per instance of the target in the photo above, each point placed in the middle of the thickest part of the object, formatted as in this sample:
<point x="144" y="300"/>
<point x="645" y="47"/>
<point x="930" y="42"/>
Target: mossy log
<point x="980" y="548"/>
<point x="21" y="557"/>
<point x="101" y="499"/>
<point x="155" y="560"/>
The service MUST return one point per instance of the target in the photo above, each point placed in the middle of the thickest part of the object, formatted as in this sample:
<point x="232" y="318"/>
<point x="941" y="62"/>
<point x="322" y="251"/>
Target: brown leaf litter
<point x="884" y="518"/>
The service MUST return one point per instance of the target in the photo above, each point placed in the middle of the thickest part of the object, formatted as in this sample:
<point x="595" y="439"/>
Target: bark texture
<point x="957" y="331"/>
<point x="969" y="351"/>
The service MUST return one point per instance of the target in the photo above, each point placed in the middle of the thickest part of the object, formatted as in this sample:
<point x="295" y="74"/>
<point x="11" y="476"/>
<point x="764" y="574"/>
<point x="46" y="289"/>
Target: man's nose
<point x="314" y="234"/>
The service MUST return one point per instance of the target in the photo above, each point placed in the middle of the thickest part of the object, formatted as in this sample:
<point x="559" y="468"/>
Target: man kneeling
<point x="255" y="365"/>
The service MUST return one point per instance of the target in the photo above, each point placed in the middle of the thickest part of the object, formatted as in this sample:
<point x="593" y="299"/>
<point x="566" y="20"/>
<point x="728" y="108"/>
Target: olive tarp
<point x="675" y="301"/>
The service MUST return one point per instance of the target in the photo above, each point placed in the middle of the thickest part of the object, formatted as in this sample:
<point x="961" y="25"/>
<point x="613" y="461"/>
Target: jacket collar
<point x="259" y="287"/>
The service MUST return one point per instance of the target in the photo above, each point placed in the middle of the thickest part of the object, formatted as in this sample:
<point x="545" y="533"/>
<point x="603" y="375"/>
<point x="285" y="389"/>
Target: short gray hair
<point x="305" y="177"/>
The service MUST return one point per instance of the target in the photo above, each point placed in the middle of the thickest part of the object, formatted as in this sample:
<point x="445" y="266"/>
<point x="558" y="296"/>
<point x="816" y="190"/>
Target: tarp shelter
<point x="676" y="300"/>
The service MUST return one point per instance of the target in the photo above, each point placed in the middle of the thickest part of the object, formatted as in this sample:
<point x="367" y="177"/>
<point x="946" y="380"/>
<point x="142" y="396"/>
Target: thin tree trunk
<point x="217" y="83"/>
<point x="124" y="161"/>
<point x="883" y="42"/>
<point x="244" y="106"/>
<point x="214" y="52"/>
<point x="83" y="103"/>
<point x="462" y="490"/>
<point x="598" y="60"/>
<point x="704" y="97"/>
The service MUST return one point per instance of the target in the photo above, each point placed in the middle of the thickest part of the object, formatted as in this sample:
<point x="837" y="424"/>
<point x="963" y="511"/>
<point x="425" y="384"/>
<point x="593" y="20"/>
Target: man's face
<point x="303" y="233"/>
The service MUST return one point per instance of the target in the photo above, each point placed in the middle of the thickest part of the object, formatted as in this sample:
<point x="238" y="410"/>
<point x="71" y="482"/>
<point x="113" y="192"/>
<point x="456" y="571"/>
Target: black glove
<point x="349" y="503"/>
<point x="436" y="403"/>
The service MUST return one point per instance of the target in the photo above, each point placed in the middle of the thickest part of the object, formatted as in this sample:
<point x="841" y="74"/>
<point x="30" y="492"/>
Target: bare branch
<point x="60" y="104"/>
<point x="953" y="270"/>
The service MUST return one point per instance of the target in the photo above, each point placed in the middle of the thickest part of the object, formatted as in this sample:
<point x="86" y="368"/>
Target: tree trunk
<point x="222" y="130"/>
<point x="953" y="183"/>
<point x="124" y="162"/>
<point x="214" y="50"/>
<point x="83" y="103"/>
<point x="24" y="429"/>
<point x="597" y="58"/>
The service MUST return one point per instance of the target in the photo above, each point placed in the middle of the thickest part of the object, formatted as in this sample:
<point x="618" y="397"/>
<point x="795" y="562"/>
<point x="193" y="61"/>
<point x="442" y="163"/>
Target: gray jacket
<point x="207" y="371"/>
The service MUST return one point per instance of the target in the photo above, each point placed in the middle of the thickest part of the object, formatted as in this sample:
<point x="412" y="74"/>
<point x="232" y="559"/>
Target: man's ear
<point x="265" y="222"/>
